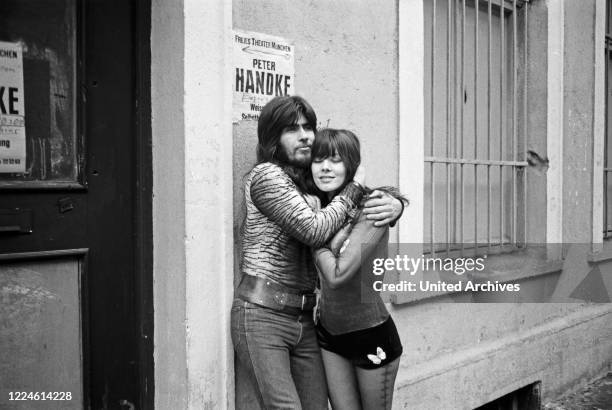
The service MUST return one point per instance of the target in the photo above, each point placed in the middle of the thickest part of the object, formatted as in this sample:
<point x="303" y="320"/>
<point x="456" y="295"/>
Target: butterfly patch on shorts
<point x="378" y="357"/>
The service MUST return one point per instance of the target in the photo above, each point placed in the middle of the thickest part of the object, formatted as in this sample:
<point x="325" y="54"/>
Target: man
<point x="272" y="326"/>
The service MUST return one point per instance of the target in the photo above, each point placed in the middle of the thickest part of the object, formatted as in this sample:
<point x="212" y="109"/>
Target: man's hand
<point x="382" y="208"/>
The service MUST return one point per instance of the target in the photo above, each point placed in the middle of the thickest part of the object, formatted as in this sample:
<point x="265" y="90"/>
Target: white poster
<point x="263" y="68"/>
<point x="12" y="111"/>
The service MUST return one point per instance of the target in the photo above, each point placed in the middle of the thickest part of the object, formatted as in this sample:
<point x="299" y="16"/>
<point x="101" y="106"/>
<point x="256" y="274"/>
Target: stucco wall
<point x="579" y="84"/>
<point x="169" y="293"/>
<point x="537" y="94"/>
<point x="192" y="208"/>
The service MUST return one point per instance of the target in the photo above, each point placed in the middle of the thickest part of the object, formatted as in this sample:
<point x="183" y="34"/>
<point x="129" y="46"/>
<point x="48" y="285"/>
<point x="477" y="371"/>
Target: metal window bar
<point x="448" y="52"/>
<point x="607" y="231"/>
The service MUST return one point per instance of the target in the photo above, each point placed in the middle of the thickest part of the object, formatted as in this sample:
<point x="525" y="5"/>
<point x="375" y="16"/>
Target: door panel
<point x="40" y="336"/>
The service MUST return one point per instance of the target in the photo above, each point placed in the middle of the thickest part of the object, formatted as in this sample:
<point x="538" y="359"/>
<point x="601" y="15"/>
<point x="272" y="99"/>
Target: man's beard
<point x="281" y="156"/>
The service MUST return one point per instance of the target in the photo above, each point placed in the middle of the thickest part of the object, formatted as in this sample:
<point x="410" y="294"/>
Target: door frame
<point x="144" y="204"/>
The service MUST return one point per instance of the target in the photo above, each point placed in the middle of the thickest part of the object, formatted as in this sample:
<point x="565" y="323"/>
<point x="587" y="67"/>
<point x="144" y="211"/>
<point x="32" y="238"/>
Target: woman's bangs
<point x="323" y="147"/>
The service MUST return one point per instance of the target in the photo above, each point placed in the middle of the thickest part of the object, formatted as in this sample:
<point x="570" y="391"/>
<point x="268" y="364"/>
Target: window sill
<point x="604" y="255"/>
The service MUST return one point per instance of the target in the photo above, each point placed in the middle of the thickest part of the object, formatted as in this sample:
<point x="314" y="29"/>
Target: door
<point x="75" y="199"/>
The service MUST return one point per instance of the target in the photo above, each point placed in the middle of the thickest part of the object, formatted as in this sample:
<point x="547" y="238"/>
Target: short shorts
<point x="367" y="348"/>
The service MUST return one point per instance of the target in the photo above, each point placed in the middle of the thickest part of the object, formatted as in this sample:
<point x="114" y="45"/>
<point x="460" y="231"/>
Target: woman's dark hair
<point x="328" y="142"/>
<point x="276" y="115"/>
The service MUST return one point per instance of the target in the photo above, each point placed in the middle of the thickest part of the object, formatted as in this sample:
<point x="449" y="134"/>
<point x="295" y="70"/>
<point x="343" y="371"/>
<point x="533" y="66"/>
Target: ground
<point x="594" y="396"/>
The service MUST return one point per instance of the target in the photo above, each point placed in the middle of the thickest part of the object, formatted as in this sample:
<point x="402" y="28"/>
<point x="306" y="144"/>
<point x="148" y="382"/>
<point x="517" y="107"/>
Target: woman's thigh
<point x="376" y="385"/>
<point x="341" y="382"/>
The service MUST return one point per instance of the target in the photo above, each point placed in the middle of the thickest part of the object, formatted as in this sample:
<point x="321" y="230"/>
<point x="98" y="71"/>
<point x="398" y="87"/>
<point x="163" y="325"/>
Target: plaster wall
<point x="579" y="80"/>
<point x="536" y="119"/>
<point x="192" y="209"/>
<point x="560" y="353"/>
<point x="169" y="289"/>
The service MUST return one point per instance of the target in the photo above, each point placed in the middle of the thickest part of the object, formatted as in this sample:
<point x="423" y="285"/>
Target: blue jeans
<point x="280" y="353"/>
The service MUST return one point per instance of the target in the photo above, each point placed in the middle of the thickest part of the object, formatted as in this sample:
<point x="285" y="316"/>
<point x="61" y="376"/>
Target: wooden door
<point x="75" y="236"/>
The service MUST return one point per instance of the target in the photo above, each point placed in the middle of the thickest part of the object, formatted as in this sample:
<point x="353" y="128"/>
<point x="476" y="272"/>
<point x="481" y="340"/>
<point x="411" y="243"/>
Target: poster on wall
<point x="12" y="111"/>
<point x="263" y="68"/>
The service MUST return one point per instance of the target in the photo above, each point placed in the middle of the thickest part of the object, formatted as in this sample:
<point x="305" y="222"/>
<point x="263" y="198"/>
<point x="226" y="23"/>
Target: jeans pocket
<point x="237" y="324"/>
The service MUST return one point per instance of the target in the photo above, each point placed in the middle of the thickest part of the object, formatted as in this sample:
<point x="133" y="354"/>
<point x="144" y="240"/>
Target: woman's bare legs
<point x="341" y="382"/>
<point x="376" y="386"/>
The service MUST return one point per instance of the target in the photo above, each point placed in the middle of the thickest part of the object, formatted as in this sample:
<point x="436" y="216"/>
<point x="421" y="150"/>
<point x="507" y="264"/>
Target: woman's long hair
<point x="327" y="143"/>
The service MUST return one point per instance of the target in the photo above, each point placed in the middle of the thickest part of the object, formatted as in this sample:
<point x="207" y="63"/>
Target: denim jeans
<point x="281" y="355"/>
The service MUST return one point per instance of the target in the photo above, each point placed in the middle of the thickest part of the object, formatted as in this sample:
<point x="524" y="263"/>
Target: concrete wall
<point x="192" y="209"/>
<point x="167" y="49"/>
<point x="579" y="81"/>
<point x="462" y="356"/>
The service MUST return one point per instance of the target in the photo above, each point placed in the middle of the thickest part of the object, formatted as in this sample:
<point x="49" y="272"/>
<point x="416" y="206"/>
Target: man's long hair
<point x="276" y="115"/>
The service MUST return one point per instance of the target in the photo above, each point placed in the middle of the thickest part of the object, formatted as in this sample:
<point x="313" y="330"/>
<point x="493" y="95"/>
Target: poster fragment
<point x="12" y="109"/>
<point x="263" y="68"/>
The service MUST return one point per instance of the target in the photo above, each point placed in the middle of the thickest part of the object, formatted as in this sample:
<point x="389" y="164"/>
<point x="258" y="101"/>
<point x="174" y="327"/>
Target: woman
<point x="358" y="339"/>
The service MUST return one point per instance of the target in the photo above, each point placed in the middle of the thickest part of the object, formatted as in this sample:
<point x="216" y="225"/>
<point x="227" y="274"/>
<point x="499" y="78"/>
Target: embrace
<point x="306" y="325"/>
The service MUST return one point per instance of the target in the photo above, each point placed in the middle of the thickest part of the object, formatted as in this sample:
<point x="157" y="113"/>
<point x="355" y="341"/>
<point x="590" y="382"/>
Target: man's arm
<point x="277" y="197"/>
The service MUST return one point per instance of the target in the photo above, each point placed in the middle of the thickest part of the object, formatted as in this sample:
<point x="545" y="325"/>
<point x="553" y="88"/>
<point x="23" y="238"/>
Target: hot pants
<point x="369" y="348"/>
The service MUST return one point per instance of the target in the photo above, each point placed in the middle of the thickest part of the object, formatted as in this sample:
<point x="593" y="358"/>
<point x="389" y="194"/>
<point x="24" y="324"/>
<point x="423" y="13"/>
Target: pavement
<point x="596" y="395"/>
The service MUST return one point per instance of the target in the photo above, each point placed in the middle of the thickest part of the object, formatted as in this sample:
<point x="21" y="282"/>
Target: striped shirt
<point x="280" y="227"/>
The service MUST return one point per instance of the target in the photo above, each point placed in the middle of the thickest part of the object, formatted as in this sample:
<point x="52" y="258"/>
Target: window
<point x="47" y="141"/>
<point x="475" y="139"/>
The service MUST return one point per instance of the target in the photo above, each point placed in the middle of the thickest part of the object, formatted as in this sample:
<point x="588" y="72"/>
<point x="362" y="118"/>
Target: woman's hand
<point x="382" y="208"/>
<point x="360" y="175"/>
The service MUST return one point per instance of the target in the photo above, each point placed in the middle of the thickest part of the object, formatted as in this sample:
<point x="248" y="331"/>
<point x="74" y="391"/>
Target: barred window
<point x="475" y="138"/>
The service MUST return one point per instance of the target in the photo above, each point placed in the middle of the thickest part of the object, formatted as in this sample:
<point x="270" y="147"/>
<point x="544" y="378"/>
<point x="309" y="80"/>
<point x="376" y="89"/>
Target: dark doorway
<point x="525" y="398"/>
<point x="75" y="221"/>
